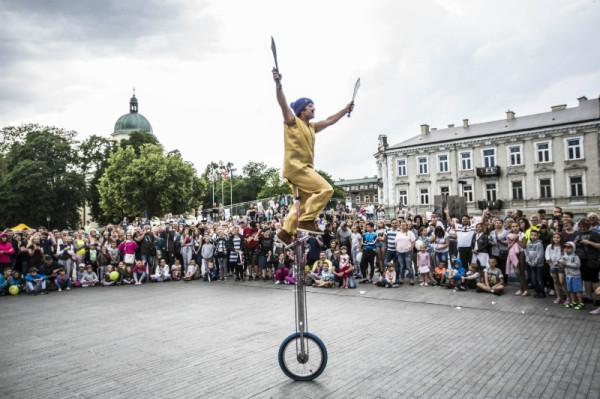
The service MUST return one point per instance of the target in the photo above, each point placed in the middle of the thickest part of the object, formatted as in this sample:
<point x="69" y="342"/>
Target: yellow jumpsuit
<point x="313" y="189"/>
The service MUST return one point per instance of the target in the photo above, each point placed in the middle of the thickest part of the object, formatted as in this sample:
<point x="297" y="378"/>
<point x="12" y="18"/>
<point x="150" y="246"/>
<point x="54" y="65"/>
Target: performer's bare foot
<point x="284" y="237"/>
<point x="309" y="227"/>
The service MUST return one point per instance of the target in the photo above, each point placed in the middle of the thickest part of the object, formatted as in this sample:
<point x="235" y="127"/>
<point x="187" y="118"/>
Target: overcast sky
<point x="201" y="69"/>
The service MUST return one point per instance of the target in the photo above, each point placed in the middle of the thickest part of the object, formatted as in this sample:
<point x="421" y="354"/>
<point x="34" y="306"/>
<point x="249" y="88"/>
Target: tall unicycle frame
<point x="302" y="355"/>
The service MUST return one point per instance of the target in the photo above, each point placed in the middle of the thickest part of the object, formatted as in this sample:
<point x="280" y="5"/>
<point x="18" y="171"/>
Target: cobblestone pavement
<point x="201" y="340"/>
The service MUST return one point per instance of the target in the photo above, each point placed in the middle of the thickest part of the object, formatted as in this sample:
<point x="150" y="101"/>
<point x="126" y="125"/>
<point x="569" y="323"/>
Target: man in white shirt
<point x="464" y="237"/>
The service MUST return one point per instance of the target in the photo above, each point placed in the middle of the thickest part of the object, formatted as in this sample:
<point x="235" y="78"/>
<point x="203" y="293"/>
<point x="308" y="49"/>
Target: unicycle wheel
<point x="300" y="368"/>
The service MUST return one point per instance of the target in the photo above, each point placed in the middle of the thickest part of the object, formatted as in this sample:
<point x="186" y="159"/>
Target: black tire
<point x="313" y="343"/>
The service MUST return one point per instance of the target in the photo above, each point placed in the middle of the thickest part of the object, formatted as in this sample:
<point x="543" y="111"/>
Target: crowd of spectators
<point x="540" y="255"/>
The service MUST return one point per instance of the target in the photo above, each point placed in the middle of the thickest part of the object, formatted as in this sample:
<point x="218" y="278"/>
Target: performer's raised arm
<point x="333" y="118"/>
<point x="288" y="115"/>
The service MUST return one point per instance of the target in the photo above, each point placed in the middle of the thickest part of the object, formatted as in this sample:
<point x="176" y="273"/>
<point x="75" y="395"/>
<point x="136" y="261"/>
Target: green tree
<point x="152" y="183"/>
<point x="41" y="178"/>
<point x="338" y="192"/>
<point x="138" y="139"/>
<point x="94" y="153"/>
<point x="274" y="185"/>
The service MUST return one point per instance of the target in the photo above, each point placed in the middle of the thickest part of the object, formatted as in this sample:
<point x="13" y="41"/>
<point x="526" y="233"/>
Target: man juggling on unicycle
<point x="299" y="143"/>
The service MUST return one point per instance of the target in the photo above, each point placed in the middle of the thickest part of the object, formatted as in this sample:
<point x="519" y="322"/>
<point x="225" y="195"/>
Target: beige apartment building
<point x="519" y="162"/>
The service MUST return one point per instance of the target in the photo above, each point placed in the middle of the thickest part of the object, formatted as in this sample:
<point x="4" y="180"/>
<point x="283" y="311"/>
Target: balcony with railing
<point x="493" y="171"/>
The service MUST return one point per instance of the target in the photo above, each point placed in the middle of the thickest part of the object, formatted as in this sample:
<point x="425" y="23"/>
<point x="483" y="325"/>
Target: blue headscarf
<point x="299" y="105"/>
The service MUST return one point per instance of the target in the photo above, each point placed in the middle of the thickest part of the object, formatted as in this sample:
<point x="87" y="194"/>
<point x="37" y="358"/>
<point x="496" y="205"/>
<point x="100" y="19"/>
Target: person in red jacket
<point x="6" y="251"/>
<point x="251" y="237"/>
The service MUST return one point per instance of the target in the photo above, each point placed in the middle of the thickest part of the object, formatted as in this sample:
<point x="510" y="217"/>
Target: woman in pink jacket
<point x="128" y="248"/>
<point x="6" y="251"/>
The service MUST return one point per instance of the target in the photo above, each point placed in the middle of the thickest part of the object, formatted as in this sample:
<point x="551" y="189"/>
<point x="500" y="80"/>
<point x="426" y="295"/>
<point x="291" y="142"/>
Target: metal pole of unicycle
<point x="302" y="356"/>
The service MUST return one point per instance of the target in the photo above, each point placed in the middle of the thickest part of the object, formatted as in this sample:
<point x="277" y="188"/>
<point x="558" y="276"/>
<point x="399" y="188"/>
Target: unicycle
<point x="302" y="356"/>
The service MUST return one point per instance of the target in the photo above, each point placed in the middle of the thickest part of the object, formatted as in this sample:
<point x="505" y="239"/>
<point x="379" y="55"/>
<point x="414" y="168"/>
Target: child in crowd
<point x="454" y="273"/>
<point x="572" y="265"/>
<point x="139" y="272"/>
<point x="176" y="273"/>
<point x="423" y="263"/>
<point x="121" y="269"/>
<point x="553" y="255"/>
<point x="210" y="273"/>
<point x="390" y="275"/>
<point x="439" y="274"/>
<point x="534" y="256"/>
<point x="62" y="280"/>
<point x="191" y="271"/>
<point x="114" y="253"/>
<point x="89" y="277"/>
<point x="35" y="283"/>
<point x="161" y="273"/>
<point x="16" y="279"/>
<point x="493" y="279"/>
<point x="106" y="280"/>
<point x="4" y="281"/>
<point x="345" y="268"/>
<point x="79" y="275"/>
<point x="471" y="278"/>
<point x="127" y="275"/>
<point x="207" y="252"/>
<point x="281" y="269"/>
<point x="514" y="249"/>
<point x="325" y="277"/>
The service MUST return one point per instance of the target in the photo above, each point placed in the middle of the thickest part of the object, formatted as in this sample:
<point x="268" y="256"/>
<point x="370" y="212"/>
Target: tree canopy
<point x="153" y="183"/>
<point x="41" y="178"/>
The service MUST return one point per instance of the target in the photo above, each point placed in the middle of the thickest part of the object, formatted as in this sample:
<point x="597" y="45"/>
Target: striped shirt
<point x="237" y="243"/>
<point x="391" y="239"/>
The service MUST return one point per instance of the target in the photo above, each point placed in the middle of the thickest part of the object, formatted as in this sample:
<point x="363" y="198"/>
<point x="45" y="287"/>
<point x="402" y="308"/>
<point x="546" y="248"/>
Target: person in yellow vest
<point x="299" y="145"/>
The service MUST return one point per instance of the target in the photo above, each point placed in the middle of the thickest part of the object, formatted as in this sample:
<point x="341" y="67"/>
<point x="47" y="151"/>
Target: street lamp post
<point x="48" y="219"/>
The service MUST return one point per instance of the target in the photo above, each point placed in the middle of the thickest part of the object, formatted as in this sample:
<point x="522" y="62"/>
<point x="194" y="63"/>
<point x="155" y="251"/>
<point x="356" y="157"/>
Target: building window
<point x="468" y="192"/>
<point x="517" y="190"/>
<point x="545" y="188"/>
<point x="514" y="155"/>
<point x="489" y="157"/>
<point x="490" y="192"/>
<point x="367" y="199"/>
<point x="423" y="166"/>
<point x="543" y="152"/>
<point x="576" y="186"/>
<point x="403" y="197"/>
<point x="424" y="196"/>
<point x="357" y="199"/>
<point x="442" y="163"/>
<point x="574" y="148"/>
<point x="402" y="167"/>
<point x="465" y="161"/>
<point x="445" y="191"/>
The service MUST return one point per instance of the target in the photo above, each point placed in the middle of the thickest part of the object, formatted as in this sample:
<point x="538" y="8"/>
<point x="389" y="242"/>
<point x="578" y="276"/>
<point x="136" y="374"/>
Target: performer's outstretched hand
<point x="277" y="77"/>
<point x="349" y="107"/>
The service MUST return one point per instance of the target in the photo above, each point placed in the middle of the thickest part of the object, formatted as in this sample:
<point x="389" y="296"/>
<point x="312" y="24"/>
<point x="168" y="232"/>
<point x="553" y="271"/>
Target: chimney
<point x="451" y="125"/>
<point x="383" y="143"/>
<point x="582" y="99"/>
<point x="560" y="107"/>
<point x="510" y="115"/>
<point x="465" y="123"/>
<point x="424" y="130"/>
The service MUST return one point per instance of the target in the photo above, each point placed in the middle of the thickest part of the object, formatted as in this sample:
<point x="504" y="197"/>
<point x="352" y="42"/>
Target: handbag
<point x="129" y="258"/>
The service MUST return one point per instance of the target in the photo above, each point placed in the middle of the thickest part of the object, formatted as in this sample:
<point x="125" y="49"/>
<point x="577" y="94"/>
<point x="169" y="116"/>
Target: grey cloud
<point x="34" y="32"/>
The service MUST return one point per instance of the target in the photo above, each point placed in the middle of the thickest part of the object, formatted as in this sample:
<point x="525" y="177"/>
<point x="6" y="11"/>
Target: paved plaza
<point x="201" y="340"/>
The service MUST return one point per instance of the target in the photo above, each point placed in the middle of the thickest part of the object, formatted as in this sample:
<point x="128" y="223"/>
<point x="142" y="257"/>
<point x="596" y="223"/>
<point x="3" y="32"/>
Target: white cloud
<point x="202" y="69"/>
